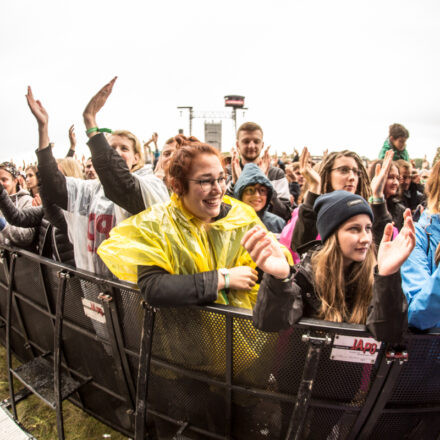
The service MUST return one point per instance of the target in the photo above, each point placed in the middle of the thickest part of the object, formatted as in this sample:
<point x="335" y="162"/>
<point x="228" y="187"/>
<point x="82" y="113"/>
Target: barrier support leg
<point x="144" y="371"/>
<point x="8" y="335"/>
<point x="296" y="424"/>
<point x="58" y="340"/>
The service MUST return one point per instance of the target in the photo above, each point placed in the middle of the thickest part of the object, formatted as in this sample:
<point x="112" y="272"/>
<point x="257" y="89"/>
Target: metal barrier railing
<point x="207" y="371"/>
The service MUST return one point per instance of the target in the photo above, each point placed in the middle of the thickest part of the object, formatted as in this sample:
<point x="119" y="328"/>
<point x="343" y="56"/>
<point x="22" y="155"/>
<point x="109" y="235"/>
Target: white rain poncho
<point x="90" y="215"/>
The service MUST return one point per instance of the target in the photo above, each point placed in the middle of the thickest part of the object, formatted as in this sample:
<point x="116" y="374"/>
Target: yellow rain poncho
<point x="168" y="236"/>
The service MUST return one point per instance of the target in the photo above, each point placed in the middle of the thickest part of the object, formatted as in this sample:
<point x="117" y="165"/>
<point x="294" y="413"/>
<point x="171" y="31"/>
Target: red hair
<point x="180" y="164"/>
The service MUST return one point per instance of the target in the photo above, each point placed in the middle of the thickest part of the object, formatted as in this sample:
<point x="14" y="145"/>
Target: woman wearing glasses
<point x="188" y="251"/>
<point x="339" y="171"/>
<point x="255" y="189"/>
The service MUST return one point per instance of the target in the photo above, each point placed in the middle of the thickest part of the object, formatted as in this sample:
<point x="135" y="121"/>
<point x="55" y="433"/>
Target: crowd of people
<point x="335" y="237"/>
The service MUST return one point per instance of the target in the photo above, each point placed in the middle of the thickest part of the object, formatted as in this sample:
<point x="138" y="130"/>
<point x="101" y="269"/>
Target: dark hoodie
<point x="251" y="175"/>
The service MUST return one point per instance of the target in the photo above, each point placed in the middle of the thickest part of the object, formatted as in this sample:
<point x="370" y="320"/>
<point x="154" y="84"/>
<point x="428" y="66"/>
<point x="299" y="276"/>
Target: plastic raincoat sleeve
<point x="421" y="284"/>
<point x="168" y="236"/>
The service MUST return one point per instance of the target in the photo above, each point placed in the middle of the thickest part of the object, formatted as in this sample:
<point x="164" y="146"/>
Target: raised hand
<point x="264" y="163"/>
<point x="42" y="118"/>
<point x="266" y="252"/>
<point x="312" y="177"/>
<point x="72" y="137"/>
<point x="235" y="166"/>
<point x="392" y="254"/>
<point x="381" y="175"/>
<point x="96" y="104"/>
<point x="37" y="108"/>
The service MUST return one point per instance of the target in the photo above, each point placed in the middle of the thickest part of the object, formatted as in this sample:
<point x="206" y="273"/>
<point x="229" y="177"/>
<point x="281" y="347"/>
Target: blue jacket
<point x="251" y="175"/>
<point x="421" y="276"/>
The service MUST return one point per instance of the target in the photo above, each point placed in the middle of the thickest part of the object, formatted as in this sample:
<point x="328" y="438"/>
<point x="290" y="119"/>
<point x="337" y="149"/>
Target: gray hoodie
<point x="14" y="235"/>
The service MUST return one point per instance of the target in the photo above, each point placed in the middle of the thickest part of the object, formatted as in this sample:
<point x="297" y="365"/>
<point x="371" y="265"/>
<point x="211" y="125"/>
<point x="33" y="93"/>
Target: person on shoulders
<point x="396" y="141"/>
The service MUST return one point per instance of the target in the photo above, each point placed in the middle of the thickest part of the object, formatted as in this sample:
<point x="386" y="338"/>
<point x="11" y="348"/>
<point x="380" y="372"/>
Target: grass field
<point x="40" y="420"/>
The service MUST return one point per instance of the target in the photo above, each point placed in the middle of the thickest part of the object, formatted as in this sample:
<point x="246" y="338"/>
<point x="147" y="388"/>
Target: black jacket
<point x="281" y="304"/>
<point x="53" y="241"/>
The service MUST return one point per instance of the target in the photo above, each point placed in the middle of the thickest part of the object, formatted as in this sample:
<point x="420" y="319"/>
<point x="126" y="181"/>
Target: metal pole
<point x="297" y="420"/>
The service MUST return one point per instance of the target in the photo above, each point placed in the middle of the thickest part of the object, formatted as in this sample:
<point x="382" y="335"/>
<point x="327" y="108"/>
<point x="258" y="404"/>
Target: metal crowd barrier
<point x="207" y="371"/>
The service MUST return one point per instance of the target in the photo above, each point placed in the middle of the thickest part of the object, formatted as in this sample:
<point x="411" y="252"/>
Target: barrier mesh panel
<point x="407" y="426"/>
<point x="258" y="418"/>
<point x="131" y="317"/>
<point x="187" y="399"/>
<point x="349" y="381"/>
<point x="191" y="338"/>
<point x="78" y="289"/>
<point x="419" y="380"/>
<point x="27" y="280"/>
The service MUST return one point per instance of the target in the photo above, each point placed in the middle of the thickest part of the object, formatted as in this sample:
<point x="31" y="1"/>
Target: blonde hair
<point x="432" y="189"/>
<point x="70" y="167"/>
<point x="331" y="283"/>
<point x="137" y="147"/>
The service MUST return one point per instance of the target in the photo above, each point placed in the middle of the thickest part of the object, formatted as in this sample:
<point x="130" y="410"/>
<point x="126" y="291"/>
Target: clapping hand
<point x="312" y="177"/>
<point x="381" y="175"/>
<point x="392" y="254"/>
<point x="266" y="252"/>
<point x="96" y="104"/>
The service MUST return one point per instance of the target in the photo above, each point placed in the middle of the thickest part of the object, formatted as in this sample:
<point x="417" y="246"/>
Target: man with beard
<point x="249" y="147"/>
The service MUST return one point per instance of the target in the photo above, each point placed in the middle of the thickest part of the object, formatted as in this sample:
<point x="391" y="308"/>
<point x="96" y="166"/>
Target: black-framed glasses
<point x="250" y="191"/>
<point x="344" y="170"/>
<point x="207" y="184"/>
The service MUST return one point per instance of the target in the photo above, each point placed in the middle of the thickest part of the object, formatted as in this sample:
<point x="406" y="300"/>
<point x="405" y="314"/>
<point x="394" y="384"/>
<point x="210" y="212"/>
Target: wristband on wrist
<point x="225" y="273"/>
<point x="99" y="130"/>
<point x="376" y="200"/>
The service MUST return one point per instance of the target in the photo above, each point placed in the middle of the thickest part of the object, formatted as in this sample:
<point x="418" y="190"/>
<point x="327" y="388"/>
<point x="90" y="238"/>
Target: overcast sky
<point x="326" y="74"/>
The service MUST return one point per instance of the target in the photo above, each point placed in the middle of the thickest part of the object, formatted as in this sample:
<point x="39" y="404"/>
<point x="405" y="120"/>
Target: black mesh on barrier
<point x="349" y="381"/>
<point x="256" y="355"/>
<point x="130" y="314"/>
<point x="259" y="418"/>
<point x="397" y="426"/>
<point x="419" y="380"/>
<point x="27" y="280"/>
<point x="187" y="399"/>
<point x="191" y="338"/>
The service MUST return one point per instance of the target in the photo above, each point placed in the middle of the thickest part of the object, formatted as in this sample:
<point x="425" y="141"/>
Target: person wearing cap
<point x="338" y="279"/>
<point x="13" y="235"/>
